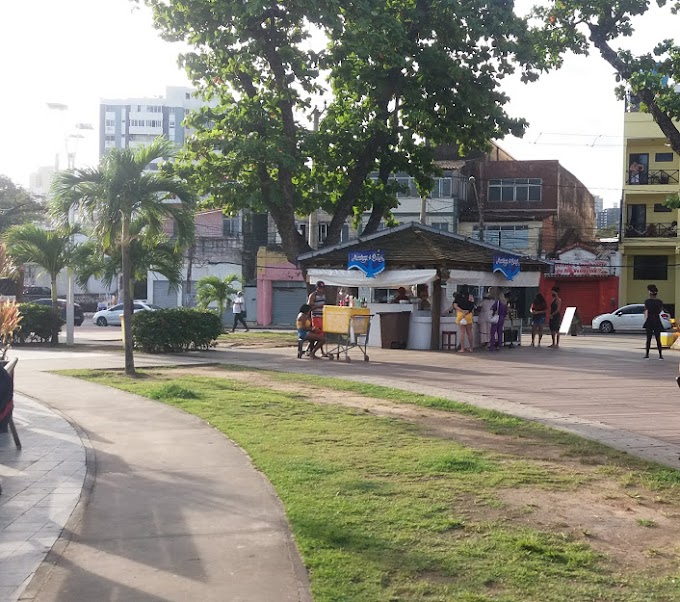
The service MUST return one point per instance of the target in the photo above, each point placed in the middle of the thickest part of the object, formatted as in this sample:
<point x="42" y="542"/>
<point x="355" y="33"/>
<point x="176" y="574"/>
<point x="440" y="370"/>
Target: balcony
<point x="638" y="230"/>
<point x="659" y="176"/>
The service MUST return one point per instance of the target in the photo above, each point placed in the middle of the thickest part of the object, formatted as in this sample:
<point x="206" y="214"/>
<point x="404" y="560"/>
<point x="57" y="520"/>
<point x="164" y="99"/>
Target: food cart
<point x="346" y="328"/>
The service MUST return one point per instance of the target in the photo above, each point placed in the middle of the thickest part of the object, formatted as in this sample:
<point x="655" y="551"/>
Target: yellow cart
<point x="346" y="328"/>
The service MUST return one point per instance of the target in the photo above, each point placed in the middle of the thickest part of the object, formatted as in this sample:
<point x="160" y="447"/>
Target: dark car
<point x="31" y="293"/>
<point x="78" y="314"/>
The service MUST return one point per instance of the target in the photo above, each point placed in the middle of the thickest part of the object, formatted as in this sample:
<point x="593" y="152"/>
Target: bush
<point x="37" y="323"/>
<point x="175" y="329"/>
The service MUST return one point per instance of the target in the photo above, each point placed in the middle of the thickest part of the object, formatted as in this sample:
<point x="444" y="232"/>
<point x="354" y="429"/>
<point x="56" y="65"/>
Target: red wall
<point x="590" y="296"/>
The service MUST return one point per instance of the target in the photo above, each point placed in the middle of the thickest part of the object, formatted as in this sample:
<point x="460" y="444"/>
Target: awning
<point x="479" y="278"/>
<point x="386" y="279"/>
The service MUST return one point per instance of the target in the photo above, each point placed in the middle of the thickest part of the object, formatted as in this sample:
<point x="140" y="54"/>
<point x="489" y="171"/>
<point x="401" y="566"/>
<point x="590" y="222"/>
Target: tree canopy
<point x="581" y="25"/>
<point x="397" y="77"/>
<point x="17" y="206"/>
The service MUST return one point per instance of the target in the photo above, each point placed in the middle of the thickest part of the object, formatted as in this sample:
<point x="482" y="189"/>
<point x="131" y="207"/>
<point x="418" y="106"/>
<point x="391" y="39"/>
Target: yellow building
<point x="650" y="247"/>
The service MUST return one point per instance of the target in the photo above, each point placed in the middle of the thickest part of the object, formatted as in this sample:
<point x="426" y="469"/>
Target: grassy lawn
<point x="258" y="338"/>
<point x="441" y="502"/>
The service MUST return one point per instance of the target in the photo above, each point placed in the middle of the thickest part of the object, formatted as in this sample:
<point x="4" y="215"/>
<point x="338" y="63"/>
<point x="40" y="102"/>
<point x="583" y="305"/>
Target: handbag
<point x="494" y="319"/>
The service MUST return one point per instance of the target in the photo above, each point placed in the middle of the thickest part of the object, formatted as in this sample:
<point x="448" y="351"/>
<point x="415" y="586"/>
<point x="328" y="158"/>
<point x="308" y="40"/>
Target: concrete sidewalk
<point x="173" y="510"/>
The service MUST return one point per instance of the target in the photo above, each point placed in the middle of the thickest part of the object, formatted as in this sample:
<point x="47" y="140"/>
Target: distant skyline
<point x="80" y="51"/>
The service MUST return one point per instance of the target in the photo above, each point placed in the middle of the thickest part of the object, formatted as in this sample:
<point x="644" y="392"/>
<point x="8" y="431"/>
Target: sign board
<point x="596" y="267"/>
<point x="370" y="263"/>
<point x="508" y="265"/>
<point x="567" y="319"/>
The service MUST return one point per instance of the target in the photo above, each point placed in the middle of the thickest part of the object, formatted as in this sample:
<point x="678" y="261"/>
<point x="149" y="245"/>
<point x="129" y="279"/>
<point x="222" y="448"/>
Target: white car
<point x="628" y="317"/>
<point x="112" y="315"/>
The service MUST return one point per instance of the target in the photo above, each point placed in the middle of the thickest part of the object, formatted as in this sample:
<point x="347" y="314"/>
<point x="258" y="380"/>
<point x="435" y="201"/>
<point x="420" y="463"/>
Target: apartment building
<point x="649" y="243"/>
<point x="131" y="122"/>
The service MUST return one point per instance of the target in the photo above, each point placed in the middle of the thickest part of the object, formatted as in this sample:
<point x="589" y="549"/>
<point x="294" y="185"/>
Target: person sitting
<point x="306" y="332"/>
<point x="401" y="295"/>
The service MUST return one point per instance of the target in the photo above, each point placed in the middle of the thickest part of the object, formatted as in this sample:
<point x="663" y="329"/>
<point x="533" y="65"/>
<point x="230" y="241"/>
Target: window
<point x="110" y="138"/>
<point x="515" y="189"/>
<point x="323" y="232"/>
<point x="630" y="310"/>
<point x="650" y="267"/>
<point x="441" y="226"/>
<point x="230" y="226"/>
<point x="508" y="237"/>
<point x="110" y="122"/>
<point x="661" y="208"/>
<point x="663" y="157"/>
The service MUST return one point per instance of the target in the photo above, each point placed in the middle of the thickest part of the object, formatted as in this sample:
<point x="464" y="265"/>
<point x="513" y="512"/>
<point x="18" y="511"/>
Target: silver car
<point x="112" y="315"/>
<point x="627" y="318"/>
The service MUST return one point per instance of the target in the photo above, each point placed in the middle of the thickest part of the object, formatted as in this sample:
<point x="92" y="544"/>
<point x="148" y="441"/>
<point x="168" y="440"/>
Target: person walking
<point x="239" y="310"/>
<point x="538" y="310"/>
<point x="499" y="311"/>
<point x="653" y="326"/>
<point x="555" y="318"/>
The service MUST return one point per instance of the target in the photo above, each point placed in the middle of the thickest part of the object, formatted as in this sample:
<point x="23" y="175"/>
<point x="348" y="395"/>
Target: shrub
<point x="37" y="324"/>
<point x="175" y="329"/>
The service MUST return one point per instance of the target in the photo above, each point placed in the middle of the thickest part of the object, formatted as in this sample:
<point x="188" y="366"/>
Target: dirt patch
<point x="637" y="530"/>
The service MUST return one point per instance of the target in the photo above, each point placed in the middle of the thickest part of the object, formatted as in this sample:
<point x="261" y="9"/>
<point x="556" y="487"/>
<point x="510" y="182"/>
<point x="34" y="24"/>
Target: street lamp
<point x="70" y="164"/>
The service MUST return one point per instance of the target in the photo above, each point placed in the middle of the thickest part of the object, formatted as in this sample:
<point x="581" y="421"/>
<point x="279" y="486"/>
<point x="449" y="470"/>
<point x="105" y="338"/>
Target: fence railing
<point x="636" y="230"/>
<point x="658" y="176"/>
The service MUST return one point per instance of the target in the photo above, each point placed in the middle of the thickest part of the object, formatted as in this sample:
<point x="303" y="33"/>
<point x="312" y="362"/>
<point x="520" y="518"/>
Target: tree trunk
<point x="55" y="308"/>
<point x="127" y="297"/>
<point x="187" y="287"/>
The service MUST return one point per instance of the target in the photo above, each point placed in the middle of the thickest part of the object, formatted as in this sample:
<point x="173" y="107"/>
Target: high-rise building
<point x="607" y="218"/>
<point x="599" y="204"/>
<point x="130" y="122"/>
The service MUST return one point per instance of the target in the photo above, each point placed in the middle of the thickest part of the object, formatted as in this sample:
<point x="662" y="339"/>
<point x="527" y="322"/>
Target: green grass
<point x="384" y="512"/>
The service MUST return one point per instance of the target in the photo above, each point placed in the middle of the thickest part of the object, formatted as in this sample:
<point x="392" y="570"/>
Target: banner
<point x="370" y="263"/>
<point x="508" y="265"/>
<point x="588" y="267"/>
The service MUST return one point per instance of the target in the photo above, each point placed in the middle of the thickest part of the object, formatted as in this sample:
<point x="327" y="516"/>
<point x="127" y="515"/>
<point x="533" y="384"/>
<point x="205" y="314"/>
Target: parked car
<point x="112" y="315"/>
<point x="627" y="318"/>
<point x="32" y="293"/>
<point x="78" y="314"/>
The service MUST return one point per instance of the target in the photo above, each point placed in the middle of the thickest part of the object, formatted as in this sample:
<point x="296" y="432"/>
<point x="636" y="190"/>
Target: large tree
<point x="396" y="73"/>
<point x="112" y="196"/>
<point x="17" y="206"/>
<point x="581" y="25"/>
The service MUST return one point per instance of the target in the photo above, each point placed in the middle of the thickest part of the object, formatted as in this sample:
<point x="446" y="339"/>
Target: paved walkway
<point x="171" y="510"/>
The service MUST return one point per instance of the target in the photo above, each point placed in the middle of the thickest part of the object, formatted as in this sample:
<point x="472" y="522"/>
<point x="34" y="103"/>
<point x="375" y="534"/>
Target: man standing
<point x="239" y="310"/>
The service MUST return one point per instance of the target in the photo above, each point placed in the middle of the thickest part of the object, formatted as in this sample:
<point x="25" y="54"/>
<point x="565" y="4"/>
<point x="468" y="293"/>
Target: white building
<point x="130" y="122"/>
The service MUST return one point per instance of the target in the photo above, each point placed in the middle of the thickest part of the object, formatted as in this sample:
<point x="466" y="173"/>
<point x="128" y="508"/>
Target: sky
<point x="76" y="52"/>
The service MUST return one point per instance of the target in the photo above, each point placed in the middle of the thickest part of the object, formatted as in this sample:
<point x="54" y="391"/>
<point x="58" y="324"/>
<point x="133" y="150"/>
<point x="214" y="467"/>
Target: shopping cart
<point x="346" y="328"/>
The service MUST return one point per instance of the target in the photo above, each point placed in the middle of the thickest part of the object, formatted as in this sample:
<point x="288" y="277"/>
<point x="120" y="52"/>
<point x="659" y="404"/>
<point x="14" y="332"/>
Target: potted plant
<point x="10" y="318"/>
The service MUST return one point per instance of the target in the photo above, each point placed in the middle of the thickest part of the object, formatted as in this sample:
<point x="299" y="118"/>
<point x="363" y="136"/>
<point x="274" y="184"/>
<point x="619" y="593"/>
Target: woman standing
<point x="464" y="305"/>
<point x="500" y="309"/>
<point x="555" y="318"/>
<point x="653" y="309"/>
<point x="538" y="310"/>
<point x="485" y="319"/>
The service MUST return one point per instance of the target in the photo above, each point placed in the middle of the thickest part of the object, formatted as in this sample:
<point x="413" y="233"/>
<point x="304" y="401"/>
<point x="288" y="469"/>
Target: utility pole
<point x="480" y="208"/>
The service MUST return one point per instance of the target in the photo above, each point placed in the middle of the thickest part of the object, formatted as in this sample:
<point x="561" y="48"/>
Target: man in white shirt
<point x="239" y="310"/>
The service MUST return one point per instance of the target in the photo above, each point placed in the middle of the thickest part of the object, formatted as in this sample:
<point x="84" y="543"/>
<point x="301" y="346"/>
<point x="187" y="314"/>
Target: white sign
<point x="567" y="320"/>
<point x="596" y="267"/>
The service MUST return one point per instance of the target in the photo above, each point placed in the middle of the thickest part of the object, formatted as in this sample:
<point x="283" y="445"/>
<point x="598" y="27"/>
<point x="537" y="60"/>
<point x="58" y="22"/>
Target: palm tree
<point x="116" y="193"/>
<point x="50" y="249"/>
<point x="147" y="253"/>
<point x="219" y="290"/>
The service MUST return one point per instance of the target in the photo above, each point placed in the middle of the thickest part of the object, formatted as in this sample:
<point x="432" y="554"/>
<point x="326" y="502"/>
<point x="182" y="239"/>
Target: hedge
<point x="175" y="329"/>
<point x="37" y="323"/>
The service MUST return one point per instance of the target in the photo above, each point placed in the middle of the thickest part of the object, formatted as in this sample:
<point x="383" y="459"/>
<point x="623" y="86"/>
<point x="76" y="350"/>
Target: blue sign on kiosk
<point x="370" y="263"/>
<point x="508" y="265"/>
